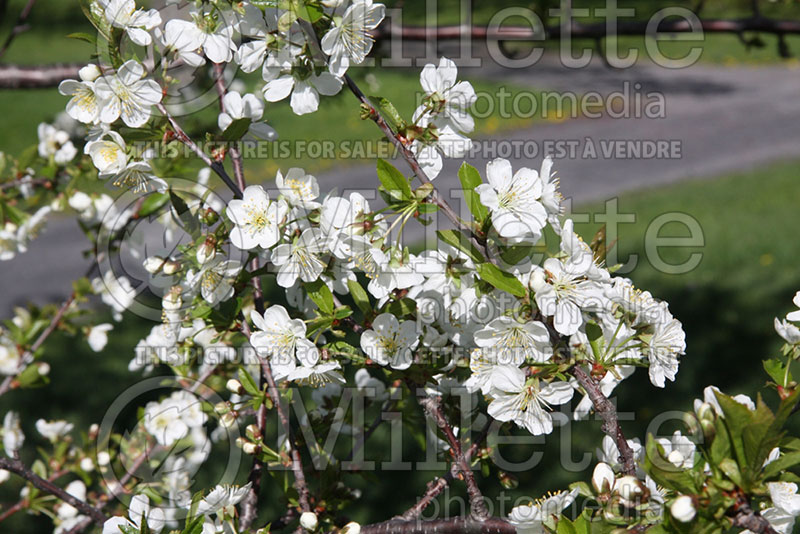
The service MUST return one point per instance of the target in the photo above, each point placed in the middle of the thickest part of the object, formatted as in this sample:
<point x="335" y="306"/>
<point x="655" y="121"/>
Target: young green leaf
<point x="456" y="239"/>
<point x="501" y="280"/>
<point x="236" y="130"/>
<point x="470" y="179"/>
<point x="393" y="181"/>
<point x="321" y="295"/>
<point x="359" y="296"/>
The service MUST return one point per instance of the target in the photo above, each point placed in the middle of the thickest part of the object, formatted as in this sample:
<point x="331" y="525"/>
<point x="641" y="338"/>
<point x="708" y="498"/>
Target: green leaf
<point x="565" y="526"/>
<point x="393" y="181"/>
<point x="501" y="280"/>
<point x="360" y="297"/>
<point x="388" y="111"/>
<point x="457" y="239"/>
<point x="191" y="226"/>
<point x="248" y="382"/>
<point x="195" y="526"/>
<point x="81" y="36"/>
<point x="236" y="130"/>
<point x="153" y="203"/>
<point x="400" y="308"/>
<point x="785" y="461"/>
<point x="321" y="295"/>
<point x="470" y="179"/>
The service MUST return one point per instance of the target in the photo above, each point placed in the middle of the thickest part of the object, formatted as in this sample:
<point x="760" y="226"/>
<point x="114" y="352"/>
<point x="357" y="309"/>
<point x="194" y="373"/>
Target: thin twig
<point x="184" y="138"/>
<point x="19" y="26"/>
<point x="28" y="354"/>
<point x="18" y="468"/>
<point x="436" y="486"/>
<point x="458" y="525"/>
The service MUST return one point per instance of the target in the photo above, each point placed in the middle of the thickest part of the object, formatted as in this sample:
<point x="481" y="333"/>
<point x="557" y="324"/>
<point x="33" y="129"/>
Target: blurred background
<point x="734" y="116"/>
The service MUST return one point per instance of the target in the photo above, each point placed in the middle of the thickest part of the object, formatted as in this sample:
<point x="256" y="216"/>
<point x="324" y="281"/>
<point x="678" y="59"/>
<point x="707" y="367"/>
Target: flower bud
<point x="228" y="420"/>
<point x="4" y="475"/>
<point x="172" y="300"/>
<point x="628" y="487"/>
<point x="44" y="369"/>
<point x="603" y="478"/>
<point x="89" y="73"/>
<point x="153" y="264"/>
<point x="171" y="267"/>
<point x="351" y="528"/>
<point x="250" y="448"/>
<point x="221" y="407"/>
<point x="308" y="520"/>
<point x="209" y="216"/>
<point x="253" y="432"/>
<point x="705" y="412"/>
<point x="234" y="386"/>
<point x="683" y="509"/>
<point x="207" y="251"/>
<point x="93" y="431"/>
<point x="103" y="458"/>
<point x="87" y="465"/>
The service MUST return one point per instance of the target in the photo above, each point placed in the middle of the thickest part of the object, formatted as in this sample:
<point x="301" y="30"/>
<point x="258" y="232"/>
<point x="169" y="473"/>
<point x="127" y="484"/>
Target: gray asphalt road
<point x="717" y="120"/>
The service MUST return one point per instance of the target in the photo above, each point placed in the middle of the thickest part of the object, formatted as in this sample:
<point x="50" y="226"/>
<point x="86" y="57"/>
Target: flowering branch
<point x="605" y="408"/>
<point x="433" y="407"/>
<point x="18" y="468"/>
<point x="19" y="26"/>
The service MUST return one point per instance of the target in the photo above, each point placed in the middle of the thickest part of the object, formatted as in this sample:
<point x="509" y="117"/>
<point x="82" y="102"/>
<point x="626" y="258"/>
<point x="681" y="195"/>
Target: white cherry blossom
<point x="136" y="22"/>
<point x="449" y="99"/>
<point x="513" y="199"/>
<point x="348" y="41"/>
<point x="302" y="258"/>
<point x="257" y="219"/>
<point x="127" y="94"/>
<point x="390" y="342"/>
<point x="525" y="401"/>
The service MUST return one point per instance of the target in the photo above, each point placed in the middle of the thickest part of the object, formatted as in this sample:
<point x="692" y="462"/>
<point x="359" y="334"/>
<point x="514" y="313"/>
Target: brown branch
<point x="749" y="519"/>
<point x="21" y="503"/>
<point x="436" y="486"/>
<point x="605" y="408"/>
<point x="18" y="468"/>
<point x="37" y="76"/>
<point x="19" y="26"/>
<point x="477" y="504"/>
<point x="458" y="525"/>
<point x="184" y="138"/>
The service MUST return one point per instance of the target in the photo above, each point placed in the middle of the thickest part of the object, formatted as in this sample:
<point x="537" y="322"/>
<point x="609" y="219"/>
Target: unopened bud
<point x="4" y="475"/>
<point x="89" y="73"/>
<point x="603" y="478"/>
<point x="706" y="412"/>
<point x="351" y="528"/>
<point x="172" y="300"/>
<point x="308" y="520"/>
<point x="44" y="369"/>
<point x="221" y="407"/>
<point x="507" y="480"/>
<point x="228" y="420"/>
<point x="234" y="386"/>
<point x="171" y="267"/>
<point x="207" y="251"/>
<point x="249" y="448"/>
<point x="683" y="509"/>
<point x="153" y="264"/>
<point x="103" y="458"/>
<point x="87" y="465"/>
<point x="628" y="487"/>
<point x="253" y="432"/>
<point x="209" y="216"/>
<point x="93" y="431"/>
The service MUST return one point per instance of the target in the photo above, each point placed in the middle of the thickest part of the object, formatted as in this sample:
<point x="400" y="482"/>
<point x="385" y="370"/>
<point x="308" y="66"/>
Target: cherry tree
<point x="282" y="301"/>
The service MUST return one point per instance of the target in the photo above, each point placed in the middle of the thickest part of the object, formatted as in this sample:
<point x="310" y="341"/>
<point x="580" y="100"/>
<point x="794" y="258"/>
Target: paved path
<point x="722" y="120"/>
